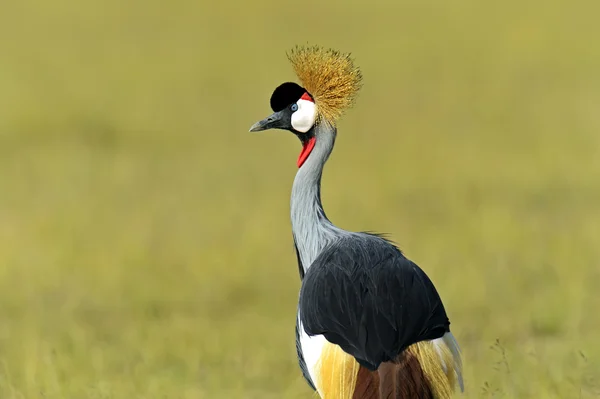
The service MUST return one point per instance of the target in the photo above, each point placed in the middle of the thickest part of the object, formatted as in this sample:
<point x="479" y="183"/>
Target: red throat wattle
<point x="306" y="149"/>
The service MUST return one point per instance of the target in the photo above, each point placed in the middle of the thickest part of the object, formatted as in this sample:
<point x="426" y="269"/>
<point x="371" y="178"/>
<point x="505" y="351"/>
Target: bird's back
<point x="384" y="313"/>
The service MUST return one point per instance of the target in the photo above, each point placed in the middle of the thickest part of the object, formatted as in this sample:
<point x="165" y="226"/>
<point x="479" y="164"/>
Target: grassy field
<point x="145" y="244"/>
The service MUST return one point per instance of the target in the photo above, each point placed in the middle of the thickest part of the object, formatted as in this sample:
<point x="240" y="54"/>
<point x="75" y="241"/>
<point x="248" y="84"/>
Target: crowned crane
<point x="370" y="322"/>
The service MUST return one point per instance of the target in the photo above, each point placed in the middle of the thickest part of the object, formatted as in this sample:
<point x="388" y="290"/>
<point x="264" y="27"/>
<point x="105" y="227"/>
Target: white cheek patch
<point x="304" y="118"/>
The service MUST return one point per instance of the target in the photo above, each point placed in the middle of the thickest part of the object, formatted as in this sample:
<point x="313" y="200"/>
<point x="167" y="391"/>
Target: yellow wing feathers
<point x="439" y="360"/>
<point x="437" y="363"/>
<point x="337" y="373"/>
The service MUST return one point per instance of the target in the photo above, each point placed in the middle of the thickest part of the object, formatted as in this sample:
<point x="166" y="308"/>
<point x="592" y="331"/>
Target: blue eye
<point x="294" y="107"/>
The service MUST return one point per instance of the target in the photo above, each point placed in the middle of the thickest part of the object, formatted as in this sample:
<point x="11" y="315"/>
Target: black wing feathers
<point x="362" y="294"/>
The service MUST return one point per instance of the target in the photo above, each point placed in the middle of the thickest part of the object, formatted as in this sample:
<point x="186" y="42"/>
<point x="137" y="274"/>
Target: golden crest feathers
<point x="329" y="76"/>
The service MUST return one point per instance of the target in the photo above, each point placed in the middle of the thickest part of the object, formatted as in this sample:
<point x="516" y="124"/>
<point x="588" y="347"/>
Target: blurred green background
<point x="145" y="244"/>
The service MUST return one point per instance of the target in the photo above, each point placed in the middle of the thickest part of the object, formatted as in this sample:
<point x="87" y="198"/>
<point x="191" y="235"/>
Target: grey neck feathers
<point x="310" y="226"/>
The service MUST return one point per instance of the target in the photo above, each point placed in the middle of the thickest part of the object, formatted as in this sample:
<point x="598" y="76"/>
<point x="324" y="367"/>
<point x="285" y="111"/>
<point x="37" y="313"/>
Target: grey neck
<point x="310" y="226"/>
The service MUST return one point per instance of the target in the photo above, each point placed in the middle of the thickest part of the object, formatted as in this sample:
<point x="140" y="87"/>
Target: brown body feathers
<point x="329" y="76"/>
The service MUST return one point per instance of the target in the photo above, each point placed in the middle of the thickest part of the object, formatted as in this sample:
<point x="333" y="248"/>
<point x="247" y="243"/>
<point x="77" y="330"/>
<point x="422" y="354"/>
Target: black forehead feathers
<point x="286" y="94"/>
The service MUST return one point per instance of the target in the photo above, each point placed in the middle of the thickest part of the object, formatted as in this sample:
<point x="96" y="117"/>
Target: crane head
<point x="330" y="83"/>
<point x="294" y="110"/>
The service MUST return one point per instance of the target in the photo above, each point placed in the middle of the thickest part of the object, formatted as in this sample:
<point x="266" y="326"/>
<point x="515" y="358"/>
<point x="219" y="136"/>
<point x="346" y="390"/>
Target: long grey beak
<point x="273" y="121"/>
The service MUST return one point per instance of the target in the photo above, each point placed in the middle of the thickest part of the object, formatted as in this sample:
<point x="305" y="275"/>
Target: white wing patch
<point x="451" y="343"/>
<point x="311" y="351"/>
<point x="436" y="344"/>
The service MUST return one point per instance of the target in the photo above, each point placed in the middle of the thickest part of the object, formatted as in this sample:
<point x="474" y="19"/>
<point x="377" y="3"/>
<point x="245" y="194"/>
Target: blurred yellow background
<point x="145" y="243"/>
